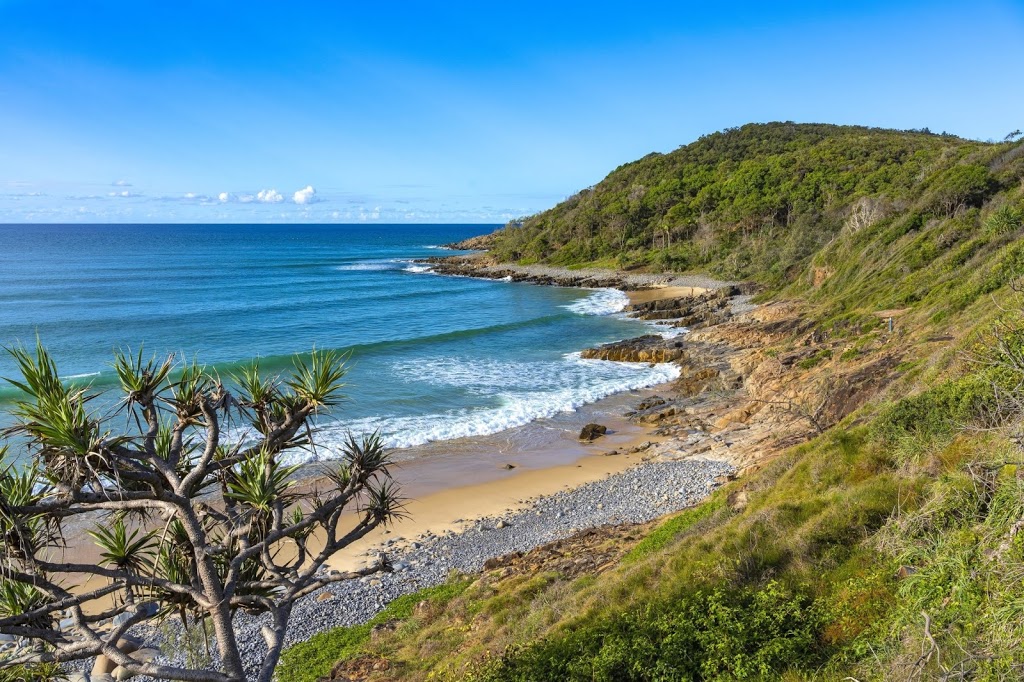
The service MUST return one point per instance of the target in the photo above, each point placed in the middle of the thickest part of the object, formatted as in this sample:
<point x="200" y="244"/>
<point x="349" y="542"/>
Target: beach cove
<point x="493" y="498"/>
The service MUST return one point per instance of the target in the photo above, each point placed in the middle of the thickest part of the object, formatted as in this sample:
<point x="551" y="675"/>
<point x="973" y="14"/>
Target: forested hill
<point x="759" y="200"/>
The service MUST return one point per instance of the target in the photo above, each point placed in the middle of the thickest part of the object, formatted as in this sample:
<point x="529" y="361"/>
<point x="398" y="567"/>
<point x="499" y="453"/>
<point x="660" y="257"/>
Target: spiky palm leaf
<point x="298" y="516"/>
<point x="317" y="379"/>
<point x="384" y="503"/>
<point x="55" y="417"/>
<point x="189" y="391"/>
<point x="23" y="534"/>
<point x="366" y="457"/>
<point x="128" y="551"/>
<point x="140" y="380"/>
<point x="257" y="390"/>
<point x="65" y="436"/>
<point x="172" y="567"/>
<point x="260" y="481"/>
<point x="17" y="598"/>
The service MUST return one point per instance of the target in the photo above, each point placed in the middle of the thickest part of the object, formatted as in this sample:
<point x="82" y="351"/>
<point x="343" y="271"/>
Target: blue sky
<point x="448" y="112"/>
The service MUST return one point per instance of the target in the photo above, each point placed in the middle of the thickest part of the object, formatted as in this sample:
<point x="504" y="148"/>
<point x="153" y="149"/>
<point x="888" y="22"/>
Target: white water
<point x="525" y="392"/>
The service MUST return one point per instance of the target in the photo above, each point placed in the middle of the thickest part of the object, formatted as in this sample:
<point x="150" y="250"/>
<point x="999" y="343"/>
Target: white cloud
<point x="269" y="196"/>
<point x="121" y="183"/>
<point x="305" y="196"/>
<point x="124" y="193"/>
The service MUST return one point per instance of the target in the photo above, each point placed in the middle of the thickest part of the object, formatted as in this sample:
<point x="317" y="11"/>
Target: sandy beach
<point x="451" y="484"/>
<point x="447" y="495"/>
<point x="448" y="484"/>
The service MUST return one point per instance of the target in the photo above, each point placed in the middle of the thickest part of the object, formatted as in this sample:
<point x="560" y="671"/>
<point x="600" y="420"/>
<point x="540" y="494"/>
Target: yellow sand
<point x="661" y="293"/>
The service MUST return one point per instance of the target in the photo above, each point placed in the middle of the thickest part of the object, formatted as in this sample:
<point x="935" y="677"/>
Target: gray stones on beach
<point x="636" y="495"/>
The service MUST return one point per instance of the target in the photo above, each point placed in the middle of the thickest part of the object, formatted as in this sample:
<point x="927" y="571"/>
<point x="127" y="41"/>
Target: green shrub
<point x="939" y="410"/>
<point x="719" y="634"/>
<point x="816" y="359"/>
<point x="1004" y="220"/>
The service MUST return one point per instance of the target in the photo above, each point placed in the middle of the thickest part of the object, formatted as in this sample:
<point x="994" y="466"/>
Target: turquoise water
<point x="432" y="357"/>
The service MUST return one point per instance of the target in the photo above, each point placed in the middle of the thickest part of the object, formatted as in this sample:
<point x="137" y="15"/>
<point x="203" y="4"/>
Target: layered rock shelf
<point x="480" y="265"/>
<point x="689" y="311"/>
<point x="649" y="348"/>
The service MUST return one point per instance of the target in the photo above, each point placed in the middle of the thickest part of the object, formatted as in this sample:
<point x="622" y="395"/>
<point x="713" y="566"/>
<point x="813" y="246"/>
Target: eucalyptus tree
<point x="189" y="484"/>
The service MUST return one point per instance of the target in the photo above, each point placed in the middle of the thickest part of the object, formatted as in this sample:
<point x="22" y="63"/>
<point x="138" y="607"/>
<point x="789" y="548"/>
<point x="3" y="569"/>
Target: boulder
<point x="648" y="403"/>
<point x="120" y="674"/>
<point x="104" y="666"/>
<point x="592" y="432"/>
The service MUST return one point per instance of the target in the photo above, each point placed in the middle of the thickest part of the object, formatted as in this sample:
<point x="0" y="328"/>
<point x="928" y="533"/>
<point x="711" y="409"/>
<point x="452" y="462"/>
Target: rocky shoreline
<point x="669" y="476"/>
<point x="480" y="266"/>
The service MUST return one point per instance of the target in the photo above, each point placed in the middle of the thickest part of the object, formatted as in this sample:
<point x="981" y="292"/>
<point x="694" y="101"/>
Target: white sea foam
<point x="667" y="331"/>
<point x="600" y="302"/>
<point x="519" y="393"/>
<point x="80" y="376"/>
<point x="405" y="264"/>
<point x="369" y="265"/>
<point x="417" y="268"/>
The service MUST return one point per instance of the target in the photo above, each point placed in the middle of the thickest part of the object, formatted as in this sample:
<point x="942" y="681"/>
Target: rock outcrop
<point x="465" y="267"/>
<point x="692" y="312"/>
<point x="649" y="348"/>
<point x="479" y="243"/>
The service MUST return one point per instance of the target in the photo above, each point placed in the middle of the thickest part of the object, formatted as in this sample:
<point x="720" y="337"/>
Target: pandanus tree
<point x="193" y="502"/>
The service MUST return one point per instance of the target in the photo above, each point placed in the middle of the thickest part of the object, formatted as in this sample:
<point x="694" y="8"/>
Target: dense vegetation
<point x="757" y="201"/>
<point x="888" y="547"/>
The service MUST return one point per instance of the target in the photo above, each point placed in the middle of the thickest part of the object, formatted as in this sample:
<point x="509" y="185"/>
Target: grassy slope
<point x="806" y="582"/>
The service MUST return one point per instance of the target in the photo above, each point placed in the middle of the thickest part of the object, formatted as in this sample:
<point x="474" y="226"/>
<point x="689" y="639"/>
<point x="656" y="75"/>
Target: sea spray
<point x="518" y="394"/>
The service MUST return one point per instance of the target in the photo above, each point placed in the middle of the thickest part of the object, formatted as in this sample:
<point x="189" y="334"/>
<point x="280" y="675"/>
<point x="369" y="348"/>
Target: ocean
<point x="432" y="358"/>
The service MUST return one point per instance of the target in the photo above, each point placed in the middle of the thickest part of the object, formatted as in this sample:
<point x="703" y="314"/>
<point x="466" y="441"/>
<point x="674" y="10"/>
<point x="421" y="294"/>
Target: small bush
<point x="816" y="359"/>
<point x="1004" y="220"/>
<point x="939" y="410"/>
<point x="721" y="634"/>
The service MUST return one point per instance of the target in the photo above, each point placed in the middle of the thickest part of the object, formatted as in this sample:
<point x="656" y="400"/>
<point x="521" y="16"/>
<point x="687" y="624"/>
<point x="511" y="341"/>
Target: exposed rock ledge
<point x="692" y="312"/>
<point x="480" y="265"/>
<point x="648" y="348"/>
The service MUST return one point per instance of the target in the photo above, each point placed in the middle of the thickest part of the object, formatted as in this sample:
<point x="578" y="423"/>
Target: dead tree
<point x="191" y="523"/>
